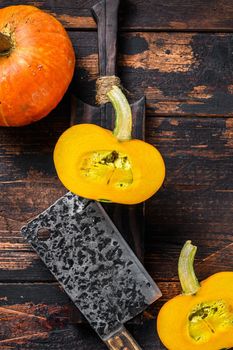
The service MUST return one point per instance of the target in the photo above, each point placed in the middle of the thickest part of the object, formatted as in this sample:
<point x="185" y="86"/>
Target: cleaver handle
<point x="122" y="340"/>
<point x="106" y="16"/>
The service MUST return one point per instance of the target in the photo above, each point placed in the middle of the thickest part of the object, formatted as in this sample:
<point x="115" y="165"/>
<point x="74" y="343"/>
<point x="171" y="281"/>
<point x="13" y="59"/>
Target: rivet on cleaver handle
<point x="94" y="264"/>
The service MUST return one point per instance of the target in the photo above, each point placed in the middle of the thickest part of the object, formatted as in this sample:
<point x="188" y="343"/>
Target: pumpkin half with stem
<point x="108" y="166"/>
<point x="36" y="64"/>
<point x="202" y="317"/>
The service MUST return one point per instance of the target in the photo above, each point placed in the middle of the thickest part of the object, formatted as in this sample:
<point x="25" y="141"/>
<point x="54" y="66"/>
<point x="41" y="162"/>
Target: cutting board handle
<point x="122" y="340"/>
<point x="105" y="13"/>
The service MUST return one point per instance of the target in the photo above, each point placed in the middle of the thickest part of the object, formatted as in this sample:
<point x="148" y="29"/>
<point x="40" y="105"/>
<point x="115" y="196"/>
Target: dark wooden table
<point x="180" y="54"/>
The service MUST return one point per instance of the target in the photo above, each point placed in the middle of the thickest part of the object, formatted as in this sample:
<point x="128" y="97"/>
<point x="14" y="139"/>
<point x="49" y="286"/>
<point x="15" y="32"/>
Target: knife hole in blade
<point x="43" y="234"/>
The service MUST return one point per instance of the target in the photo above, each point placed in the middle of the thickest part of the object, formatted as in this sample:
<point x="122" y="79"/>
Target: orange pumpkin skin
<point x="37" y="72"/>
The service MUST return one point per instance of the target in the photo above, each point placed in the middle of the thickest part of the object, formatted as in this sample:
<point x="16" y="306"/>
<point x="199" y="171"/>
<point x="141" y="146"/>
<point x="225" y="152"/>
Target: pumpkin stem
<point x="123" y="123"/>
<point x="188" y="279"/>
<point x="5" y="44"/>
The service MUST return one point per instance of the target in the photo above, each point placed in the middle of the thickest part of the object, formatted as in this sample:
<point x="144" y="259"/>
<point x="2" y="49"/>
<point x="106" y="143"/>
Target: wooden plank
<point x="58" y="339"/>
<point x="194" y="203"/>
<point x="27" y="166"/>
<point x="180" y="73"/>
<point x="47" y="316"/>
<point x="134" y="15"/>
<point x="48" y="300"/>
<point x="47" y="320"/>
<point x="80" y="338"/>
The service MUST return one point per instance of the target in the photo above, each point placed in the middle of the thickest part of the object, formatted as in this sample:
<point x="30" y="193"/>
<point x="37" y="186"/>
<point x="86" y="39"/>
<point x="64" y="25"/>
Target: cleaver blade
<point x="94" y="264"/>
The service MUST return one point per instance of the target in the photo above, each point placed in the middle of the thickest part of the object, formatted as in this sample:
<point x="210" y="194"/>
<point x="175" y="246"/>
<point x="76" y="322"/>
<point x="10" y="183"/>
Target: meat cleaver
<point x="94" y="264"/>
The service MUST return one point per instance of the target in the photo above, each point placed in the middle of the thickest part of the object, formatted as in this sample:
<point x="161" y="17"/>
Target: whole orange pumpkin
<point x="36" y="64"/>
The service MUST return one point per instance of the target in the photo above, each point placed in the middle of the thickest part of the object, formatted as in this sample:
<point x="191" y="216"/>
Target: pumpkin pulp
<point x="202" y="317"/>
<point x="109" y="166"/>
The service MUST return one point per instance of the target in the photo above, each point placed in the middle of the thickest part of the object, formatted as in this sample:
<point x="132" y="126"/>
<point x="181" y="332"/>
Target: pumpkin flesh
<point x="133" y="172"/>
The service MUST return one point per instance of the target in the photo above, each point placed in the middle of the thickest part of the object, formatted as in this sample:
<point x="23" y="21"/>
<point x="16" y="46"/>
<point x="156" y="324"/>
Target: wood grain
<point x="48" y="301"/>
<point x="194" y="203"/>
<point x="180" y="73"/>
<point x="44" y="310"/>
<point x="177" y="54"/>
<point x="156" y="15"/>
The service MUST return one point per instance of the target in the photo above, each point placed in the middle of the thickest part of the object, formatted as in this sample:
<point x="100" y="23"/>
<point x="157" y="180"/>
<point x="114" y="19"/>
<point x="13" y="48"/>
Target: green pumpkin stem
<point x="188" y="279"/>
<point x="123" y="123"/>
<point x="5" y="45"/>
